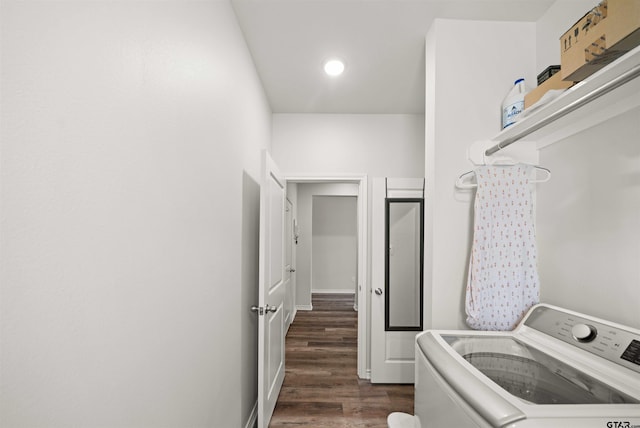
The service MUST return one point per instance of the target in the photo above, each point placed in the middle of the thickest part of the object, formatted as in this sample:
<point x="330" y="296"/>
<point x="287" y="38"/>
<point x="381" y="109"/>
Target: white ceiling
<point x="382" y="42"/>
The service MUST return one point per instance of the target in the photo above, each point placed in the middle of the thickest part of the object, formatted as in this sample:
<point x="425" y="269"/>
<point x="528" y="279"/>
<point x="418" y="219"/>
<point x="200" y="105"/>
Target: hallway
<point x="321" y="387"/>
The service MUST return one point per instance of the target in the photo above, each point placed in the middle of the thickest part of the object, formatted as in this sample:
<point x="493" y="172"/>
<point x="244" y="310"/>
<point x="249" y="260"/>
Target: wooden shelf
<point x="543" y="126"/>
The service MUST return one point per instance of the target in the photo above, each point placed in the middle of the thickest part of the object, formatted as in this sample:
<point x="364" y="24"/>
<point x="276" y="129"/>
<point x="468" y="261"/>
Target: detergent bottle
<point x="513" y="103"/>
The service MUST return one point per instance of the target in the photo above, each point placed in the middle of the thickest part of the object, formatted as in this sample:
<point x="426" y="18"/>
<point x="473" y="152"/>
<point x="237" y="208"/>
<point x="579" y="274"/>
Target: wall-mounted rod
<point x="585" y="99"/>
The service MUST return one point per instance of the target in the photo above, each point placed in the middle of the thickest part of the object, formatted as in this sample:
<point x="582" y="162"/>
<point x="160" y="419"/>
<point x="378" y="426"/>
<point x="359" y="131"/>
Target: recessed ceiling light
<point x="334" y="67"/>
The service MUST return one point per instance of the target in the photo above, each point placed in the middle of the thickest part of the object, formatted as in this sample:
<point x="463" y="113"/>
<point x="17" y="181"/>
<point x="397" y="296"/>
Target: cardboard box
<point x="605" y="33"/>
<point x="553" y="82"/>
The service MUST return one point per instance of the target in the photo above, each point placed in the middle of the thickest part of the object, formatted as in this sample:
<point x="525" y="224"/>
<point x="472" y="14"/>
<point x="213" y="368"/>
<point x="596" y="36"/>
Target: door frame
<point x="364" y="292"/>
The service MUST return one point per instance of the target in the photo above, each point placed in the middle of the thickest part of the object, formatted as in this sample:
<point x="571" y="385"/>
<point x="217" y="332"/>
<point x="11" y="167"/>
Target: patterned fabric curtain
<point x="503" y="277"/>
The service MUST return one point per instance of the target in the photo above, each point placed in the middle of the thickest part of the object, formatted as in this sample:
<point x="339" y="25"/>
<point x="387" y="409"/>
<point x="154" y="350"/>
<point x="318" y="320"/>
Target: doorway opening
<point x="331" y="194"/>
<point x="334" y="244"/>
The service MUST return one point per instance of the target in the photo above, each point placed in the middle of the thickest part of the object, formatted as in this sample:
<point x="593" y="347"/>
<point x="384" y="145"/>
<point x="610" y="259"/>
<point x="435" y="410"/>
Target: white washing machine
<point x="558" y="368"/>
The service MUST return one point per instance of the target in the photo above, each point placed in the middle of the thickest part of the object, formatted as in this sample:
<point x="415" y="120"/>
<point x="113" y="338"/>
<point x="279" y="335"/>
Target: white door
<point x="271" y="312"/>
<point x="288" y="266"/>
<point x="392" y="352"/>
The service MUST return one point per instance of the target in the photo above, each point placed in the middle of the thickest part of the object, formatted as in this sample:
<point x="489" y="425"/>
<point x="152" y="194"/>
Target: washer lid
<point x="531" y="374"/>
<point x="490" y="405"/>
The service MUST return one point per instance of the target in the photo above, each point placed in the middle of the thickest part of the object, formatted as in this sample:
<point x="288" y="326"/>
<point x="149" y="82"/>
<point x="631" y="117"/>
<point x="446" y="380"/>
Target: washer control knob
<point x="584" y="332"/>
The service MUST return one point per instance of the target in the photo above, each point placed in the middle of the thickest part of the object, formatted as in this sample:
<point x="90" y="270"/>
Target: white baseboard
<point x="253" y="418"/>
<point x="335" y="291"/>
<point x="304" y="307"/>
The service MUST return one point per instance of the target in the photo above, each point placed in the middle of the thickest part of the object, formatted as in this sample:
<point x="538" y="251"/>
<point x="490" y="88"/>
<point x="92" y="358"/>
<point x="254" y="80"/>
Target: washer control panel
<point x="632" y="353"/>
<point x="611" y="342"/>
<point x="584" y="332"/>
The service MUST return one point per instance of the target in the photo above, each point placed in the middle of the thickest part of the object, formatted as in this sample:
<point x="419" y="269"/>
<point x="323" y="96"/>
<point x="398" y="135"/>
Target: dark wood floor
<point x="321" y="386"/>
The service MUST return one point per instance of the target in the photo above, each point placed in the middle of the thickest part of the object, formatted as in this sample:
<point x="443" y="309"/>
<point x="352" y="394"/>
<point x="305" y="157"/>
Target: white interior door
<point x="271" y="311"/>
<point x="288" y="266"/>
<point x="392" y="352"/>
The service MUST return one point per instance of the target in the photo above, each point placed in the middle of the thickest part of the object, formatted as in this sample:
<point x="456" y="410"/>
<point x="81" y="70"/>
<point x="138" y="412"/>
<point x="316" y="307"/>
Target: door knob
<point x="261" y="311"/>
<point x="270" y="308"/>
<point x="378" y="291"/>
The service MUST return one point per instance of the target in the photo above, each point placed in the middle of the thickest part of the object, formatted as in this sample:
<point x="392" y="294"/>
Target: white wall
<point x="305" y="195"/>
<point x="333" y="144"/>
<point x="131" y="136"/>
<point x="335" y="244"/>
<point x="589" y="222"/>
<point x="470" y="66"/>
